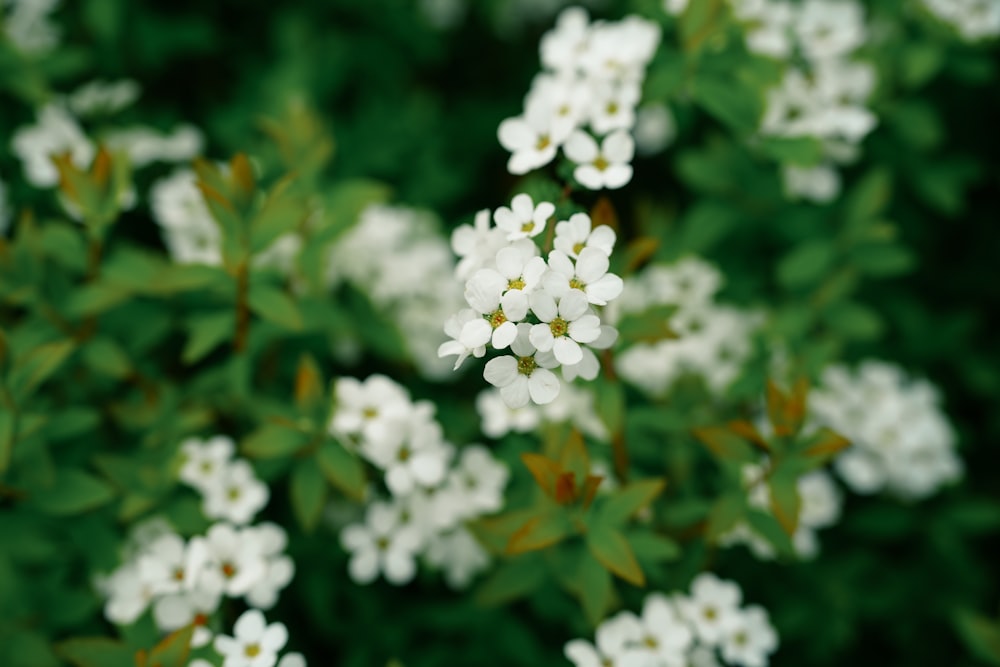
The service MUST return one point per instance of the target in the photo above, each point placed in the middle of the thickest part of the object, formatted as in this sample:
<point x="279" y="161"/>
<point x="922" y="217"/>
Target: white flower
<point x="614" y="108"/>
<point x="654" y="128"/>
<point x="664" y="634"/>
<point x="459" y="555"/>
<point x="713" y="608"/>
<point x="56" y="132"/>
<point x="532" y="138"/>
<point x="29" y="27"/>
<point x="255" y="643"/>
<point x="190" y="233"/>
<point x="370" y="408"/>
<point x="523" y="219"/>
<point x="454" y="326"/>
<point x="128" y="595"/>
<point x="477" y="482"/>
<point x="477" y="245"/>
<point x="520" y="265"/>
<point x="237" y="495"/>
<point x="413" y="454"/>
<point x="172" y="565"/>
<point x="750" y="640"/>
<point x="270" y="540"/>
<point x="525" y="376"/>
<point x="564" y="325"/>
<point x="204" y="461"/>
<point x="235" y="562"/>
<point x="501" y="308"/>
<point x="829" y="28"/>
<point x="381" y="544"/>
<point x="615" y="645"/>
<point x="174" y="611"/>
<point x="292" y="660"/>
<point x="499" y="419"/>
<point x="607" y="166"/>
<point x="575" y="234"/>
<point x="561" y="47"/>
<point x="589" y="367"/>
<point x="589" y="275"/>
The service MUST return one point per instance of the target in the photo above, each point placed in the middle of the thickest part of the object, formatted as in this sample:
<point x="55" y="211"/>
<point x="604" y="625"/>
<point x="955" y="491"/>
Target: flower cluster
<point x="972" y="19"/>
<point x="28" y="25"/>
<point x="714" y="341"/>
<point x="693" y="629"/>
<point x="592" y="79"/>
<point x="255" y="643"/>
<point x="902" y="441"/>
<point x="574" y="404"/>
<point x="230" y="490"/>
<point x="825" y="96"/>
<point x="397" y="257"/>
<point x="820" y="504"/>
<point x="184" y="581"/>
<point x="192" y="235"/>
<point x="432" y="490"/>
<point x="543" y="309"/>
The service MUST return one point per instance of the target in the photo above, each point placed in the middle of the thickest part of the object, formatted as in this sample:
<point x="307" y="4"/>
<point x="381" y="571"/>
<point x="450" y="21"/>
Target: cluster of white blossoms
<point x="901" y="440"/>
<point x="820" y="505"/>
<point x="713" y="343"/>
<point x="822" y="95"/>
<point x="58" y="131"/>
<point x="396" y="256"/>
<point x="972" y="19"/>
<point x="254" y="643"/>
<point x="543" y="309"/>
<point x="184" y="582"/>
<point x="432" y="489"/>
<point x="192" y="235"/>
<point x="229" y="488"/>
<point x="697" y="629"/>
<point x="574" y="405"/>
<point x="28" y="25"/>
<point x="592" y="79"/>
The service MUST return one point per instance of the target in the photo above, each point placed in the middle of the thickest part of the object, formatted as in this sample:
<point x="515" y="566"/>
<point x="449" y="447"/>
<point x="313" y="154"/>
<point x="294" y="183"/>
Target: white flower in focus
<point x="255" y="642"/>
<point x="520" y="265"/>
<point x="523" y="219"/>
<point x="575" y="234"/>
<point x="237" y="495"/>
<point x="532" y="138"/>
<point x="615" y="644"/>
<point x="383" y="545"/>
<point x="525" y="376"/>
<point x="564" y="325"/>
<point x="589" y="275"/>
<point x="607" y="166"/>
<point x="751" y="639"/>
<point x="205" y="460"/>
<point x="713" y="608"/>
<point x="55" y="132"/>
<point x="453" y="327"/>
<point x="501" y="309"/>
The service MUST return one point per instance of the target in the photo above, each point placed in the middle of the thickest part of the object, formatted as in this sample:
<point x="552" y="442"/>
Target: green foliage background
<point x="417" y="109"/>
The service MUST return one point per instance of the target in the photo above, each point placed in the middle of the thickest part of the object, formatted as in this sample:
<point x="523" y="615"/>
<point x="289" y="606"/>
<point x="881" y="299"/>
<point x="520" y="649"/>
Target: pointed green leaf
<point x="308" y="491"/>
<point x="628" y="500"/>
<point x="612" y="550"/>
<point x="549" y="527"/>
<point x="651" y="548"/>
<point x="37" y="366"/>
<point x="96" y="652"/>
<point x="272" y="441"/>
<point x="595" y="589"/>
<point x="205" y="333"/>
<point x="73" y="492"/>
<point x="342" y="469"/>
<point x="276" y="306"/>
<point x="513" y="579"/>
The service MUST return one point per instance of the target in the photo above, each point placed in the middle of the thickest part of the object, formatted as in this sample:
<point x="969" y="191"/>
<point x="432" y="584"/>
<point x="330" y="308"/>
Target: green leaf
<point x="725" y="513"/>
<point x="308" y="492"/>
<point x="276" y="306"/>
<point x="549" y="527"/>
<point x="73" y="492"/>
<point x="96" y="652"/>
<point x="628" y="500"/>
<point x="513" y="579"/>
<point x="807" y="264"/>
<point x="855" y="321"/>
<point x="273" y="441"/>
<point x="882" y="260"/>
<point x="785" y="501"/>
<point x="106" y="356"/>
<point x="652" y="548"/>
<point x="704" y="225"/>
<point x="595" y="589"/>
<point x="7" y="425"/>
<point x="37" y="366"/>
<point x="173" y="651"/>
<point x="767" y="526"/>
<point x="980" y="634"/>
<point x="805" y="151"/>
<point x="612" y="550"/>
<point x="729" y="101"/>
<point x="342" y="469"/>
<point x="867" y="200"/>
<point x="609" y="396"/>
<point x="95" y="299"/>
<point x="205" y="333"/>
<point x="725" y="445"/>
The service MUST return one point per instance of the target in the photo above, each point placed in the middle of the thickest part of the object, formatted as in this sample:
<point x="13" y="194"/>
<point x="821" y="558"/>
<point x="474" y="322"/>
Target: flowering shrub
<point x="498" y="333"/>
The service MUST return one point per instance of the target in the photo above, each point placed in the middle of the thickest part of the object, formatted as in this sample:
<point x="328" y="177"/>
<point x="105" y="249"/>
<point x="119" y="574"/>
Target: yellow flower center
<point x="382" y="543"/>
<point x="559" y="327"/>
<point x="576" y="283"/>
<point x="527" y="227"/>
<point x="369" y="413"/>
<point x="601" y="164"/>
<point x="578" y="248"/>
<point x="516" y="283"/>
<point x="526" y="365"/>
<point x="252" y="650"/>
<point x="496" y="318"/>
<point x="228" y="570"/>
<point x="543" y="142"/>
<point x="404" y="454"/>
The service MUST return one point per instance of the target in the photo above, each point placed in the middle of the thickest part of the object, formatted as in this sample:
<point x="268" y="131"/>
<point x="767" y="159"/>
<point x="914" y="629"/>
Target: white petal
<point x="573" y="305"/>
<point x="249" y="626"/>
<point x="515" y="305"/>
<point x="543" y="385"/>
<point x="515" y="395"/>
<point x="510" y="262"/>
<point x="522" y="206"/>
<point x="618" y="147"/>
<point x="603" y="238"/>
<point x="560" y="263"/>
<point x="567" y="351"/>
<point x="274" y="637"/>
<point x="586" y="329"/>
<point x="580" y="147"/>
<point x="504" y="335"/>
<point x="541" y="337"/>
<point x="515" y="134"/>
<point x="617" y="175"/>
<point x="543" y="305"/>
<point x="428" y="468"/>
<point x="542" y="214"/>
<point x="501" y="371"/>
<point x="589" y="176"/>
<point x="609" y="287"/>
<point x="399" y="566"/>
<point x="475" y="333"/>
<point x="363" y="567"/>
<point x="591" y="265"/>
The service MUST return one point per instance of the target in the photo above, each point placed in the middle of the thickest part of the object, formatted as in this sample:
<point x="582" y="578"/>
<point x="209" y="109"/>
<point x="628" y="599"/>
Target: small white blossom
<point x="751" y="639"/>
<point x="523" y="219"/>
<point x="564" y="325"/>
<point x="589" y="275"/>
<point x="237" y="495"/>
<point x="575" y="234"/>
<point x="525" y="376"/>
<point x="713" y="608"/>
<point x="383" y="545"/>
<point x="204" y="461"/>
<point x="604" y="166"/>
<point x="255" y="642"/>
